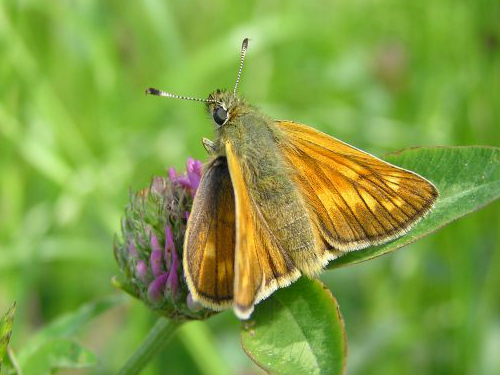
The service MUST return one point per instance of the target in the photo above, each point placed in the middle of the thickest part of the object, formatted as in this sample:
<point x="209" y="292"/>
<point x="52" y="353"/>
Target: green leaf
<point x="58" y="354"/>
<point x="467" y="178"/>
<point x="10" y="365"/>
<point x="66" y="325"/>
<point x="299" y="330"/>
<point x="5" y="331"/>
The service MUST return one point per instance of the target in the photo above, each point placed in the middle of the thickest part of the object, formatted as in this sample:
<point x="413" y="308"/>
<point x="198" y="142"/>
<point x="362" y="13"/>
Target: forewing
<point x="261" y="265"/>
<point x="354" y="198"/>
<point x="210" y="239"/>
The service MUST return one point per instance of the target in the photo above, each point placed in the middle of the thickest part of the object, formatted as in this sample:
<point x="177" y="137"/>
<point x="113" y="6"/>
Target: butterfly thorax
<point x="242" y="120"/>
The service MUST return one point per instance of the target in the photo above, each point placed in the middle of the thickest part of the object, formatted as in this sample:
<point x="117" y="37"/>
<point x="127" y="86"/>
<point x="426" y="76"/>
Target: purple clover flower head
<point x="141" y="270"/>
<point x="169" y="246"/>
<point x="172" y="174"/>
<point x="156" y="263"/>
<point x="155" y="244"/>
<point x="149" y="252"/>
<point x="173" y="279"/>
<point x="184" y="182"/>
<point x="191" y="180"/>
<point x="131" y="250"/>
<point x="175" y="262"/>
<point x="156" y="288"/>
<point x="158" y="185"/>
<point x="156" y="258"/>
<point x="169" y="239"/>
<point x="192" y="304"/>
<point x="194" y="173"/>
<point x="198" y="167"/>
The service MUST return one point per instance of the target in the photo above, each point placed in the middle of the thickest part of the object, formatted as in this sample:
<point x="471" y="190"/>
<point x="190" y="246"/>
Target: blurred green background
<point x="77" y="132"/>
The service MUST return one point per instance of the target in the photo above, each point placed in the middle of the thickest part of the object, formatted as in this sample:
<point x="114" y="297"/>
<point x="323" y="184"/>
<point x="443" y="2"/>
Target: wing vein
<point x="369" y="209"/>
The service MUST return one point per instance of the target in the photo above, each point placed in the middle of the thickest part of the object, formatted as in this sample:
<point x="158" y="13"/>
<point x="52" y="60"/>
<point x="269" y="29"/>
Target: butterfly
<point x="280" y="199"/>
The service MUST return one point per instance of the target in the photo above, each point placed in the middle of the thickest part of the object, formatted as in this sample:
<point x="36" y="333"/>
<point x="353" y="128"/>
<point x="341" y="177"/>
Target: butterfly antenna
<point x="244" y="47"/>
<point x="157" y="92"/>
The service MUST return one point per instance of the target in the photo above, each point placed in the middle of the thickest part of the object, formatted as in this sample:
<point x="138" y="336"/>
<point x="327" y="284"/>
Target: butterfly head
<point x="221" y="104"/>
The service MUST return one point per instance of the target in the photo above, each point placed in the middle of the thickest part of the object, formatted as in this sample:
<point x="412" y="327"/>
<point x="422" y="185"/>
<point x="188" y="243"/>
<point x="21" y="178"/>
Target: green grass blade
<point x="6" y="331"/>
<point x="59" y="354"/>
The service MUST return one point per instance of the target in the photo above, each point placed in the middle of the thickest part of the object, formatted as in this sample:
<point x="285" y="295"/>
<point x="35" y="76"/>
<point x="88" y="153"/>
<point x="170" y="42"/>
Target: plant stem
<point x="156" y="340"/>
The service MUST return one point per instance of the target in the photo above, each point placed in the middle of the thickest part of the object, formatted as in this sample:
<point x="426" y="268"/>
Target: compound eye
<point x="220" y="116"/>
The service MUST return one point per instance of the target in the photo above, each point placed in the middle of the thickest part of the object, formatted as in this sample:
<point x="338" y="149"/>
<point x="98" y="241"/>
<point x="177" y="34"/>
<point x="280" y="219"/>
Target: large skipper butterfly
<point x="279" y="199"/>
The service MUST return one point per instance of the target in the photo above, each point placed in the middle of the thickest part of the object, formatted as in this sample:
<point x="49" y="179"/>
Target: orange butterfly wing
<point x="261" y="265"/>
<point x="210" y="239"/>
<point x="354" y="199"/>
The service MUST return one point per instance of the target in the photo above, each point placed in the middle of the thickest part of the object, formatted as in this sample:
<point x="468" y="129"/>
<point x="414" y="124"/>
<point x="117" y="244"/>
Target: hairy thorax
<point x="270" y="184"/>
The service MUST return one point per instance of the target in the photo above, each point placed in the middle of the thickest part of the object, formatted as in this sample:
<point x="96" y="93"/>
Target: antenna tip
<point x="152" y="91"/>
<point x="244" y="45"/>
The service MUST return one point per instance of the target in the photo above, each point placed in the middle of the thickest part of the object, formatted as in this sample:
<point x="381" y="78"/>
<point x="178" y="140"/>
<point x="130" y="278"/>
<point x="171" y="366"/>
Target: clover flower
<point x="149" y="252"/>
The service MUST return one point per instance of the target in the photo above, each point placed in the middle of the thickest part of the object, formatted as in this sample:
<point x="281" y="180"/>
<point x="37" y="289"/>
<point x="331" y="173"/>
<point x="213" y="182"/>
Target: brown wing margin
<point x="261" y="265"/>
<point x="355" y="199"/>
<point x="210" y="239"/>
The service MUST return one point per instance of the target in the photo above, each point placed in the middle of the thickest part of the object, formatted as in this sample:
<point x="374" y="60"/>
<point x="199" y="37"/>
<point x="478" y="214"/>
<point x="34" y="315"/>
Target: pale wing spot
<point x="347" y="172"/>
<point x="323" y="194"/>
<point x="221" y="271"/>
<point x="378" y="210"/>
<point x="393" y="211"/>
<point x="395" y="181"/>
<point x="351" y="197"/>
<point x="398" y="201"/>
<point x="210" y="249"/>
<point x="371" y="202"/>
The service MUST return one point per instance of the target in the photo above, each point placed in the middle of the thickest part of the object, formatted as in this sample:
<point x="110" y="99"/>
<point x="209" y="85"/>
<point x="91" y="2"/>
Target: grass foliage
<point x="77" y="132"/>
